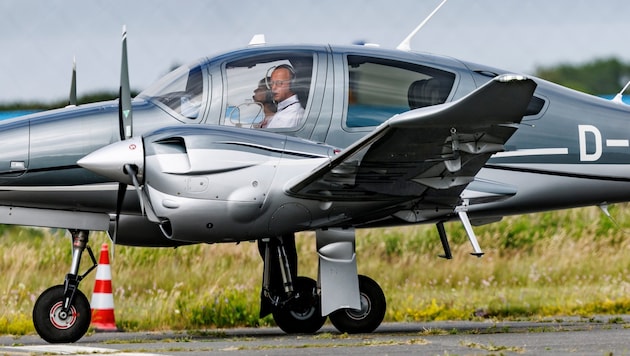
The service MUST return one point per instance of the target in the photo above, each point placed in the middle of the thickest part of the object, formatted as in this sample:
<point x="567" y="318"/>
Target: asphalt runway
<point x="605" y="335"/>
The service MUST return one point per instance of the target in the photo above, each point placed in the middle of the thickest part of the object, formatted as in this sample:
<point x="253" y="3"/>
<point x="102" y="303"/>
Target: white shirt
<point x="289" y="113"/>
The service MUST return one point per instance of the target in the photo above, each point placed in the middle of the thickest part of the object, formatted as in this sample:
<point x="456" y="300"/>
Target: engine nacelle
<point x="203" y="182"/>
<point x="136" y="230"/>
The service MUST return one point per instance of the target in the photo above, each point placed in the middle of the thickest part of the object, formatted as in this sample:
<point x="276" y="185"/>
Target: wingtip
<point x="505" y="78"/>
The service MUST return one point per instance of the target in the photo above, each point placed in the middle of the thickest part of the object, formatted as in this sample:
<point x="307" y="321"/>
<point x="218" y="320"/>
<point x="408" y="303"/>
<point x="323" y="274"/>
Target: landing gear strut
<point x="62" y="313"/>
<point x="293" y="301"/>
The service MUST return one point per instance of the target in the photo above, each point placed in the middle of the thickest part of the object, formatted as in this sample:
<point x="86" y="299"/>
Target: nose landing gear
<point x="62" y="313"/>
<point x="56" y="324"/>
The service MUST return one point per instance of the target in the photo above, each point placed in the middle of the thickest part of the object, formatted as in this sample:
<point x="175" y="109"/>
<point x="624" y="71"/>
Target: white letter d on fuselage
<point x="582" y="131"/>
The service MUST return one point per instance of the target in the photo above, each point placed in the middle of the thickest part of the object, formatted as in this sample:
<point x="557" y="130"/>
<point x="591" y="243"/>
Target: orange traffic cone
<point x="102" y="298"/>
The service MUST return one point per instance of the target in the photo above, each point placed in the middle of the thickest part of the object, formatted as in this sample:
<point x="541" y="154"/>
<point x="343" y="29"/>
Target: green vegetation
<point x="85" y="99"/>
<point x="550" y="264"/>
<point x="597" y="77"/>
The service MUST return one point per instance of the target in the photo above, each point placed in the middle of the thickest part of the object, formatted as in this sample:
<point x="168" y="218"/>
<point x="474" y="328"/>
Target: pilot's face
<point x="281" y="84"/>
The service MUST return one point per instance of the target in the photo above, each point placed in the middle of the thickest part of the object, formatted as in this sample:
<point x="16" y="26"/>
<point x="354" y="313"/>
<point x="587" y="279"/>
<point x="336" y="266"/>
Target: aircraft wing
<point x="429" y="154"/>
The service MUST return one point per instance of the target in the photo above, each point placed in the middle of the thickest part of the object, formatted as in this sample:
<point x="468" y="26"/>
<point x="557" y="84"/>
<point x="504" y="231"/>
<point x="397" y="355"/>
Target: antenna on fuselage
<point x="619" y="97"/>
<point x="257" y="40"/>
<point x="405" y="45"/>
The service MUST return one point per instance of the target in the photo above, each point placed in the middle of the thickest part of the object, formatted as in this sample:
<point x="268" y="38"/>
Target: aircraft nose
<point x="110" y="161"/>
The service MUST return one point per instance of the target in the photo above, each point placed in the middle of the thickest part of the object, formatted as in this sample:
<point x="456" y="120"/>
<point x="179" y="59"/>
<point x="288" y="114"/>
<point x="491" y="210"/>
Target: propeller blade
<point x="124" y="103"/>
<point x="73" y="84"/>
<point x="122" y="189"/>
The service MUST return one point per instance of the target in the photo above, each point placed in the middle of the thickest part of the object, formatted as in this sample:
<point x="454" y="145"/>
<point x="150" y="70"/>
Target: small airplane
<point x="260" y="143"/>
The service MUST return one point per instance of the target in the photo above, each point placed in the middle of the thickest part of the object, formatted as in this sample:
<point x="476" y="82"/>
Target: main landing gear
<point x="371" y="314"/>
<point x="292" y="300"/>
<point x="295" y="301"/>
<point x="62" y="313"/>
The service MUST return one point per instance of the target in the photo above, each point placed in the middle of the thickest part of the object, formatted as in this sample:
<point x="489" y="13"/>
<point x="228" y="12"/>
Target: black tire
<point x="371" y="314"/>
<point x="50" y="325"/>
<point x="304" y="315"/>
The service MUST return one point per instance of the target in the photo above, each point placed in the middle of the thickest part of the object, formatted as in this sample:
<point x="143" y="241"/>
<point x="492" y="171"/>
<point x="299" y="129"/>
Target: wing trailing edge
<point x="429" y="154"/>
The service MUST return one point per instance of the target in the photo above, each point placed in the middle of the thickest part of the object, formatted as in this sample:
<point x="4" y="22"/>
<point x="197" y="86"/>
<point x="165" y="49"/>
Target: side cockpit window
<point x="379" y="89"/>
<point x="268" y="92"/>
<point x="181" y="93"/>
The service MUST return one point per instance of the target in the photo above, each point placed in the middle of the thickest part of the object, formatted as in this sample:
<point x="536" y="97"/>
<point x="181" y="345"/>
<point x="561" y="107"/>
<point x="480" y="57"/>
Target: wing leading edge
<point x="429" y="155"/>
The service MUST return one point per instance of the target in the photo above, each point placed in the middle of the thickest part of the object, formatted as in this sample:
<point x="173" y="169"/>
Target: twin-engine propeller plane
<point x="260" y="143"/>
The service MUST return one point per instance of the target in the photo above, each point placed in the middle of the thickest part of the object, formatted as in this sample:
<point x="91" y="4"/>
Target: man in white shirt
<point x="290" y="109"/>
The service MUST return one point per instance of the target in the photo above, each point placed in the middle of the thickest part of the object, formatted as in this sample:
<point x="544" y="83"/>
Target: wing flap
<point x="430" y="153"/>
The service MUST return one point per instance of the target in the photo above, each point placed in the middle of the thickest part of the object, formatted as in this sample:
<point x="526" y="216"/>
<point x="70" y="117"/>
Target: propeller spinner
<point x="113" y="161"/>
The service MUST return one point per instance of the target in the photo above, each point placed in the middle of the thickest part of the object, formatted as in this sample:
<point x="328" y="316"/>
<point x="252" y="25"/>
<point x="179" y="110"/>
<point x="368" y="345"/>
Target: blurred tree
<point x="84" y="99"/>
<point x="598" y="77"/>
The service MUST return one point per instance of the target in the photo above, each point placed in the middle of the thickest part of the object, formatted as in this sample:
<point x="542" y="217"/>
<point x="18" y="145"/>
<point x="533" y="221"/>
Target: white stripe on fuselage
<point x="63" y="188"/>
<point x="533" y="152"/>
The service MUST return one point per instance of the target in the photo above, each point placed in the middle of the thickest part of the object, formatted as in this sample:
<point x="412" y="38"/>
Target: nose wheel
<point x="57" y="324"/>
<point x="62" y="313"/>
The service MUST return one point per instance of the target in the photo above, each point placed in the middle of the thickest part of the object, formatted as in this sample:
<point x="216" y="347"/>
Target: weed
<point x="492" y="347"/>
<point x="431" y="331"/>
<point x="616" y="320"/>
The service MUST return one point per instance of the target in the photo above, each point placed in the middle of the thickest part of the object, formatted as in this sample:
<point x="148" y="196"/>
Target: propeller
<point x="122" y="161"/>
<point x="73" y="84"/>
<point x="124" y="104"/>
<point x="125" y="125"/>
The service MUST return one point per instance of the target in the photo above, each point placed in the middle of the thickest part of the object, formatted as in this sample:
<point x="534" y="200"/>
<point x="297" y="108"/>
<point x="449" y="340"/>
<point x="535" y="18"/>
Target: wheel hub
<point x="366" y="307"/>
<point x="302" y="308"/>
<point x="61" y="319"/>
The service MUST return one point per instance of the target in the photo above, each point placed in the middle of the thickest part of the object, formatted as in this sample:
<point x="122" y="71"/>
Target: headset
<point x="285" y="66"/>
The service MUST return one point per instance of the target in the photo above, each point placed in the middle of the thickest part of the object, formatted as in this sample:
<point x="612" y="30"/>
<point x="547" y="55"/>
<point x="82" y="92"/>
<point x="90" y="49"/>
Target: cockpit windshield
<point x="180" y="92"/>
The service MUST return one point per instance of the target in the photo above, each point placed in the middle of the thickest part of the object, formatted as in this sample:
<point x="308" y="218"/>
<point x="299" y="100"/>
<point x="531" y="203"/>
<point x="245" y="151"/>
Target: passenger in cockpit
<point x="264" y="97"/>
<point x="290" y="110"/>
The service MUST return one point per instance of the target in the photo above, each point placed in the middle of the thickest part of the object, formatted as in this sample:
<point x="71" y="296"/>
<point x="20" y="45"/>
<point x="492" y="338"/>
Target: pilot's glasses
<point x="278" y="83"/>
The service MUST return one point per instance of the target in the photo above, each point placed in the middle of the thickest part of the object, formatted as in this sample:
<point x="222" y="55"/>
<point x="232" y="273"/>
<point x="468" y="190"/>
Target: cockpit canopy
<point x="351" y="88"/>
<point x="180" y="92"/>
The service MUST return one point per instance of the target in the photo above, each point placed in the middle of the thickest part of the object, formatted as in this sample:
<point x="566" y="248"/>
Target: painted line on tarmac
<point x="69" y="350"/>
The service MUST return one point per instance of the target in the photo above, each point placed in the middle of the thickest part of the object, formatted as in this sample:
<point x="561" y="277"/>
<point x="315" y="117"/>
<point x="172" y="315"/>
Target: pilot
<point x="262" y="95"/>
<point x="290" y="109"/>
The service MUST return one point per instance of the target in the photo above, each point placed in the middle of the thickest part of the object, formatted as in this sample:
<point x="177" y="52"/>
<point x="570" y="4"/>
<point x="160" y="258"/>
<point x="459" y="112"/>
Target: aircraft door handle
<point x="16" y="166"/>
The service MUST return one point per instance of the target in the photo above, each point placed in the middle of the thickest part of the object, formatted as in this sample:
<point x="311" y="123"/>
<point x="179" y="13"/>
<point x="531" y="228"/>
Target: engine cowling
<point x="204" y="182"/>
<point x="215" y="184"/>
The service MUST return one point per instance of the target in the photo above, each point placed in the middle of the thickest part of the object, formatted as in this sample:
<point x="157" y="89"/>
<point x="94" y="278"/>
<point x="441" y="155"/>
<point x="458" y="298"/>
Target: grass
<point x="570" y="262"/>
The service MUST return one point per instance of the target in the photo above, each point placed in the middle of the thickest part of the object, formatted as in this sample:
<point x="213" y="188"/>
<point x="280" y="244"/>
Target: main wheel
<point x="371" y="314"/>
<point x="304" y="314"/>
<point x="55" y="326"/>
